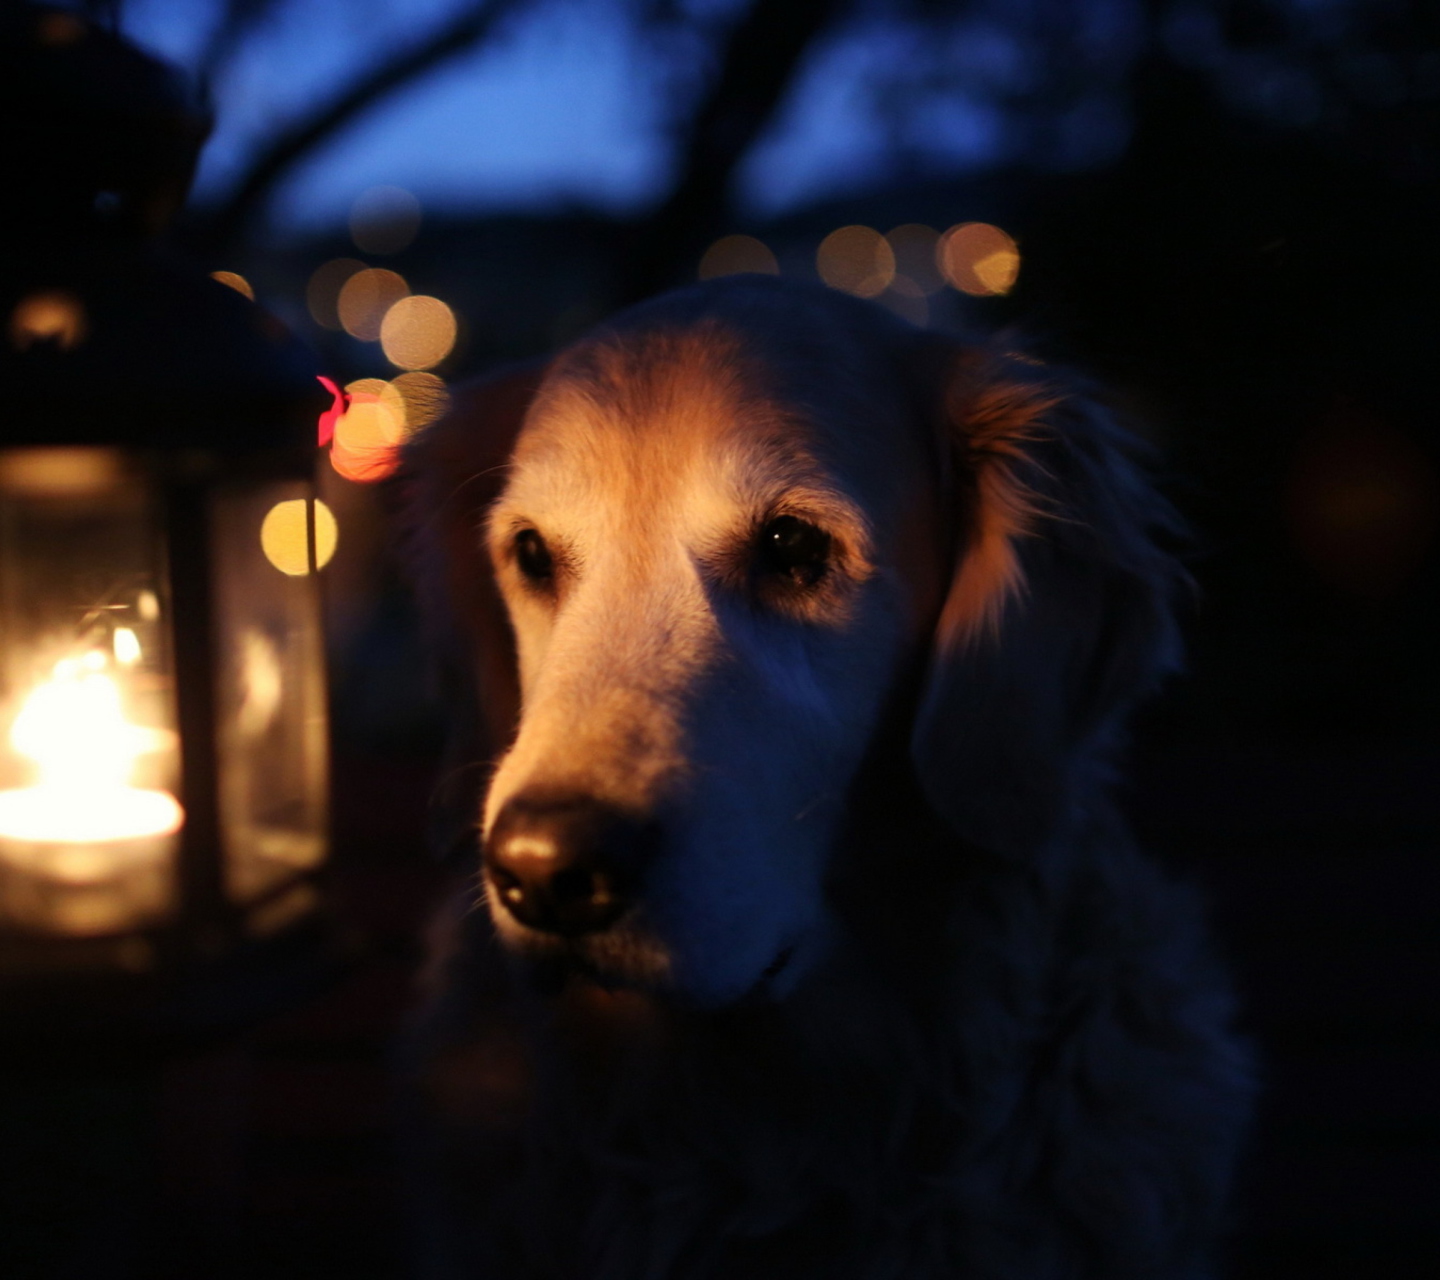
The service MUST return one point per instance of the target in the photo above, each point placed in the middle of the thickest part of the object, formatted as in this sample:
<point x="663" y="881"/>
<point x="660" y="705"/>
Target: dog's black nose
<point x="566" y="864"/>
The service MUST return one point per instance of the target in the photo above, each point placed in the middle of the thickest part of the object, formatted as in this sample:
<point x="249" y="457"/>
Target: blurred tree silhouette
<point x="1226" y="208"/>
<point x="219" y="228"/>
<point x="1065" y="85"/>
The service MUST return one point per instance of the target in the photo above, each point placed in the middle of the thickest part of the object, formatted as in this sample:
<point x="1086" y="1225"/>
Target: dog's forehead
<point x="639" y="417"/>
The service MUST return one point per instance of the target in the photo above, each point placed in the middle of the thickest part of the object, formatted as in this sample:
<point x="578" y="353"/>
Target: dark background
<point x="1246" y="259"/>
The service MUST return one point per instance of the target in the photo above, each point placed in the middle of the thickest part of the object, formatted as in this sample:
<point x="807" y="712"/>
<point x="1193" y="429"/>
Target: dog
<point x="792" y="648"/>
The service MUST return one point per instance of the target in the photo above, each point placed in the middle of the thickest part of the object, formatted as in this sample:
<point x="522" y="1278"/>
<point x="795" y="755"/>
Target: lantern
<point x="163" y="744"/>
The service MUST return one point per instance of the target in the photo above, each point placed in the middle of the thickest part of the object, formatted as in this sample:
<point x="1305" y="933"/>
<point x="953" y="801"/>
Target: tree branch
<point x="228" y="223"/>
<point x="238" y="18"/>
<point x="761" y="56"/>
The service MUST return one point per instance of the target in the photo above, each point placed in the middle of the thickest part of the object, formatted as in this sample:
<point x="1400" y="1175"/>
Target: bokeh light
<point x="418" y="332"/>
<point x="378" y="391"/>
<point x="738" y="255"/>
<point x="978" y="259"/>
<point x="368" y="435"/>
<point x="426" y="398"/>
<point x="365" y="298"/>
<point x="125" y="644"/>
<point x="285" y="536"/>
<point x="52" y="316"/>
<point x="322" y="293"/>
<point x="234" y="280"/>
<point x="384" y="220"/>
<point x="913" y="245"/>
<point x="856" y="260"/>
<point x="365" y="448"/>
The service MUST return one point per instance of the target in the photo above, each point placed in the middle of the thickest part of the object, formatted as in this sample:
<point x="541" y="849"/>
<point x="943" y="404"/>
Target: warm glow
<point x="978" y="259"/>
<point x="126" y="646"/>
<point x="285" y="536"/>
<point x="738" y="255"/>
<point x="73" y="727"/>
<point x="913" y="245"/>
<point x="262" y="682"/>
<point x="368" y="435"/>
<point x="378" y="391"/>
<point x="418" y="332"/>
<point x="61" y="472"/>
<point x="48" y="317"/>
<point x="365" y="450"/>
<point x="384" y="220"/>
<point x="365" y="298"/>
<point x="322" y="294"/>
<point x="856" y="260"/>
<point x="425" y="396"/>
<point x="234" y="281"/>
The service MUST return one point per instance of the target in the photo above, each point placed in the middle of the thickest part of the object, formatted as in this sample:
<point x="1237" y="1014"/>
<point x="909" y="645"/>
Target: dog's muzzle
<point x="566" y="864"/>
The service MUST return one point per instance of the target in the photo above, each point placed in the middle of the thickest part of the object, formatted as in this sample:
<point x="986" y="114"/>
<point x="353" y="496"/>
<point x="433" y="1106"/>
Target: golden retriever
<point x="808" y="941"/>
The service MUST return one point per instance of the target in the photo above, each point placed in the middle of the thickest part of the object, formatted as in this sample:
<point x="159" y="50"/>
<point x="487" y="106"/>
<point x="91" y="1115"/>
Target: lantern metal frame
<point x="201" y="388"/>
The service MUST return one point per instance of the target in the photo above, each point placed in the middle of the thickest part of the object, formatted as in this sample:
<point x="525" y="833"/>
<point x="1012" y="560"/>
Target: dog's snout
<point x="566" y="864"/>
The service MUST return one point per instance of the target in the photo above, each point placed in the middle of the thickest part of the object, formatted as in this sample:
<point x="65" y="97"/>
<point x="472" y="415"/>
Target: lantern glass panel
<point x="89" y="756"/>
<point x="272" y="737"/>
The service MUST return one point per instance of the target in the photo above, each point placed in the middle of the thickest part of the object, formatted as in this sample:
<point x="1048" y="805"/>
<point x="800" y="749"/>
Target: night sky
<point x="564" y="106"/>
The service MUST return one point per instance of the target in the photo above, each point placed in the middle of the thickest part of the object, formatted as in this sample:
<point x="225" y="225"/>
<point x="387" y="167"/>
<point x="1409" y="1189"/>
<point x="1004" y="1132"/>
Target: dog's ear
<point x="1060" y="608"/>
<point x="450" y="474"/>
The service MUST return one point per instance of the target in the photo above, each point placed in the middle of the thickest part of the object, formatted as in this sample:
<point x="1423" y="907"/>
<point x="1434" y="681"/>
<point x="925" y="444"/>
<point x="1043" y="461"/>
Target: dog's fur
<point x="897" y="998"/>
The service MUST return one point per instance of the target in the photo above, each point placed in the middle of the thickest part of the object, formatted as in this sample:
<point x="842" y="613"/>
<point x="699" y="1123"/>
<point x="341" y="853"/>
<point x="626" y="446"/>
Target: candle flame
<point x="127" y="646"/>
<point x="73" y="727"/>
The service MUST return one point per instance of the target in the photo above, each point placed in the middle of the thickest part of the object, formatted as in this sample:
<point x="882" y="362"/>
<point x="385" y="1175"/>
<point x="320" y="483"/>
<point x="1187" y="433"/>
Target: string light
<point x="856" y="260"/>
<point x="285" y="536"/>
<point x="979" y="259"/>
<point x="738" y="255"/>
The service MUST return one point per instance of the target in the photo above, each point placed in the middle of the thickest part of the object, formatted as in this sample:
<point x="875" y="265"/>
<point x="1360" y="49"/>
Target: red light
<point x="332" y="415"/>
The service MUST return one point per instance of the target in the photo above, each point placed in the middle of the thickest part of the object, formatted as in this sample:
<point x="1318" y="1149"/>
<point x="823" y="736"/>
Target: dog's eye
<point x="795" y="549"/>
<point x="533" y="556"/>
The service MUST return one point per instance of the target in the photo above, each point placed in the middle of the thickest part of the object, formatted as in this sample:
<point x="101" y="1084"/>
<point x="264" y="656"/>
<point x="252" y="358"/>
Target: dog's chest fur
<point x="1060" y="1103"/>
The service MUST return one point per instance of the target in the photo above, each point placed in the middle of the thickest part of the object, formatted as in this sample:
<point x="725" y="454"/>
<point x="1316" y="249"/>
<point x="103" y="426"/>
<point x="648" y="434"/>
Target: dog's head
<point x="731" y="526"/>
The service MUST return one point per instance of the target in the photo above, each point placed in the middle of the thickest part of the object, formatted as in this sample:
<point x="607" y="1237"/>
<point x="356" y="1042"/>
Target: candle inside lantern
<point x="74" y="728"/>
